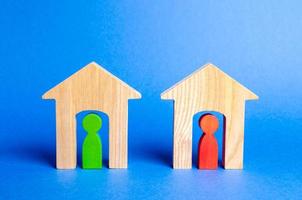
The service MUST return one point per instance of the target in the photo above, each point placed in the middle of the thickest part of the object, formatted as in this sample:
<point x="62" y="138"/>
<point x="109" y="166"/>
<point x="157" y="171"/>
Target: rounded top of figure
<point x="92" y="123"/>
<point x="208" y="123"/>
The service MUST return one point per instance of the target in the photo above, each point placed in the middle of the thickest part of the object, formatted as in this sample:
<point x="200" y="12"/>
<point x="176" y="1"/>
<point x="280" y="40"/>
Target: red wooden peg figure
<point x="208" y="147"/>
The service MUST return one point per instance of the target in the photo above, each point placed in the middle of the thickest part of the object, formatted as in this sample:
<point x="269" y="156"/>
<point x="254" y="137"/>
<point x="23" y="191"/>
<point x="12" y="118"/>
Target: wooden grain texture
<point x="208" y="89"/>
<point x="91" y="88"/>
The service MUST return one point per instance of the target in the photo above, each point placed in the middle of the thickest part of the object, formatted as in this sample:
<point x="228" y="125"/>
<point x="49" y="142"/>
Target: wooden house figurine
<point x="91" y="88"/>
<point x="208" y="89"/>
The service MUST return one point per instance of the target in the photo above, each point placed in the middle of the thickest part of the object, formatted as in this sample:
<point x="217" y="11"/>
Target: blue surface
<point x="151" y="45"/>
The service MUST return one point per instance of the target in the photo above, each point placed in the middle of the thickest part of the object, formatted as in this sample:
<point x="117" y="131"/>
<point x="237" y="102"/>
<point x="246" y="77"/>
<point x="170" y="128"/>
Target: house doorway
<point x="197" y="133"/>
<point x="103" y="134"/>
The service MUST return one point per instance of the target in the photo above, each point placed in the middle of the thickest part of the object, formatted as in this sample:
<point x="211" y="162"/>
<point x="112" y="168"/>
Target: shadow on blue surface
<point x="33" y="152"/>
<point x="155" y="153"/>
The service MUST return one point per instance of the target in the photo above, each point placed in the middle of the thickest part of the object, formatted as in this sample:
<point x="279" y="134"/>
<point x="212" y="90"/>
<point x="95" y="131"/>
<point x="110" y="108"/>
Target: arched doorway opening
<point x="219" y="135"/>
<point x="103" y="133"/>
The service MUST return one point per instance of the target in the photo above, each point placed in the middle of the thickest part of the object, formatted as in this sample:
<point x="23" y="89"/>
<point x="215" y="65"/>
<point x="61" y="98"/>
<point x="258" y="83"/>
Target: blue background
<point x="151" y="45"/>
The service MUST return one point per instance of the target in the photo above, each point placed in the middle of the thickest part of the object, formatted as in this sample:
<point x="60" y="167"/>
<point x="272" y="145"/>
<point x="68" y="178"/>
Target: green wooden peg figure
<point x="92" y="146"/>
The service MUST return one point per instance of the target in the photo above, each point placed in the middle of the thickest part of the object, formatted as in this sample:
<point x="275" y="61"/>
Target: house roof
<point x="91" y="68"/>
<point x="208" y="69"/>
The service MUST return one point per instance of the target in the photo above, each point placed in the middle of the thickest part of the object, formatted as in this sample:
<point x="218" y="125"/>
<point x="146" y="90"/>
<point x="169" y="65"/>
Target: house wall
<point x="118" y="137"/>
<point x="234" y="137"/>
<point x="65" y="136"/>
